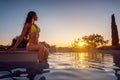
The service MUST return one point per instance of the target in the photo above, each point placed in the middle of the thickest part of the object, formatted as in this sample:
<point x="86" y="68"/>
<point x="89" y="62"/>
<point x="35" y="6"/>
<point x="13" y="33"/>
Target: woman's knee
<point x="47" y="51"/>
<point x="41" y="49"/>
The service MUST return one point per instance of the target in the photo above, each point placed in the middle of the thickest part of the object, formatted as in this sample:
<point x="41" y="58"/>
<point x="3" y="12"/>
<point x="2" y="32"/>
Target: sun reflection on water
<point x="81" y="60"/>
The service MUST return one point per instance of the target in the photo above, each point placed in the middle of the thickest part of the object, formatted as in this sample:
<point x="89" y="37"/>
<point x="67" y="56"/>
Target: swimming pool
<point x="87" y="65"/>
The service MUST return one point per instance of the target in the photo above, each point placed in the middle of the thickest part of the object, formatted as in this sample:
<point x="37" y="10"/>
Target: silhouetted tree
<point x="94" y="40"/>
<point x="115" y="38"/>
<point x="75" y="43"/>
<point x="45" y="44"/>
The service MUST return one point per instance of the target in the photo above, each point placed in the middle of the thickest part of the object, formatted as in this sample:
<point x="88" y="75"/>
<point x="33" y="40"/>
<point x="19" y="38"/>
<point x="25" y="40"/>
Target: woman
<point x="31" y="32"/>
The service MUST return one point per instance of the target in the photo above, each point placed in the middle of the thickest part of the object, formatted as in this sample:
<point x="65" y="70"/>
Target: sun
<point x="81" y="43"/>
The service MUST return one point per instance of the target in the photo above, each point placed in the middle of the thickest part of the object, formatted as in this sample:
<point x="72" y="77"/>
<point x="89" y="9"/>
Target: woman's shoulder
<point x="28" y="24"/>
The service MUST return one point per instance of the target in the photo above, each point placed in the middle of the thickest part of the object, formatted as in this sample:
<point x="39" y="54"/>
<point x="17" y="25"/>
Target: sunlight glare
<point x="81" y="43"/>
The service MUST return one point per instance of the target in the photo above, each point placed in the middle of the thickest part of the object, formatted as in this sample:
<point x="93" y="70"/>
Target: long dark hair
<point x="29" y="17"/>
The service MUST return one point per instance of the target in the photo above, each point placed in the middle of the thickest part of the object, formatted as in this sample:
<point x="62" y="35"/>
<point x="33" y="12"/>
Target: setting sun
<point x="81" y="43"/>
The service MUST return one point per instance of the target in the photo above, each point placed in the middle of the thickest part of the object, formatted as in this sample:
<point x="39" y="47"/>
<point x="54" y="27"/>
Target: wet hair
<point x="29" y="17"/>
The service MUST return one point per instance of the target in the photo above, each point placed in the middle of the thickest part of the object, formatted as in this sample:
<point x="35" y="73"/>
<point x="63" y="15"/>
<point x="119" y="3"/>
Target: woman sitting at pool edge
<point x="31" y="32"/>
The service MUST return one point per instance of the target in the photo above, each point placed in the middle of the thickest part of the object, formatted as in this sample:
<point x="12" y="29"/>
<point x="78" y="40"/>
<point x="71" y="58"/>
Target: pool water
<point x="89" y="65"/>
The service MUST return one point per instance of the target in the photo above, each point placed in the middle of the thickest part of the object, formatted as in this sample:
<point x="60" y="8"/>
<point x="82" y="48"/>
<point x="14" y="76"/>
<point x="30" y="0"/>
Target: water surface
<point x="89" y="65"/>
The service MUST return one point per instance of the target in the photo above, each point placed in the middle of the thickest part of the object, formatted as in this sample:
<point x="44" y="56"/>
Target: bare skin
<point x="33" y="45"/>
<point x="33" y="41"/>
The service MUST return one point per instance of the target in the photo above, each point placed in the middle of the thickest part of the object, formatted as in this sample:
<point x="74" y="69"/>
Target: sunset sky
<point x="60" y="21"/>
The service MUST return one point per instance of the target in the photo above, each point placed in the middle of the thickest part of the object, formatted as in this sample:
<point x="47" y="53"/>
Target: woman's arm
<point x="20" y="38"/>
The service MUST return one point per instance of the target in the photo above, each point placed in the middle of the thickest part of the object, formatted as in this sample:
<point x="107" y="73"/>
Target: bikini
<point x="32" y="30"/>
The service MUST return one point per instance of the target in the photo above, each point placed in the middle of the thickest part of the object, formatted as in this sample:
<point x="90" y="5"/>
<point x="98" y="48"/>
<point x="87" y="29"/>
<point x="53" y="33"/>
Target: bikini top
<point x="34" y="29"/>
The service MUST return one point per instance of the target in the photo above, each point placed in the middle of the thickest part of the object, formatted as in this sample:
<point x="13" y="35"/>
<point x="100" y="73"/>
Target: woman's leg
<point x="46" y="53"/>
<point x="38" y="48"/>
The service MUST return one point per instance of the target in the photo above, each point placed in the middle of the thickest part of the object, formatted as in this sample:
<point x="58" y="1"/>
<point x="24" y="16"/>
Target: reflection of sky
<point x="82" y="60"/>
<point x="60" y="21"/>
